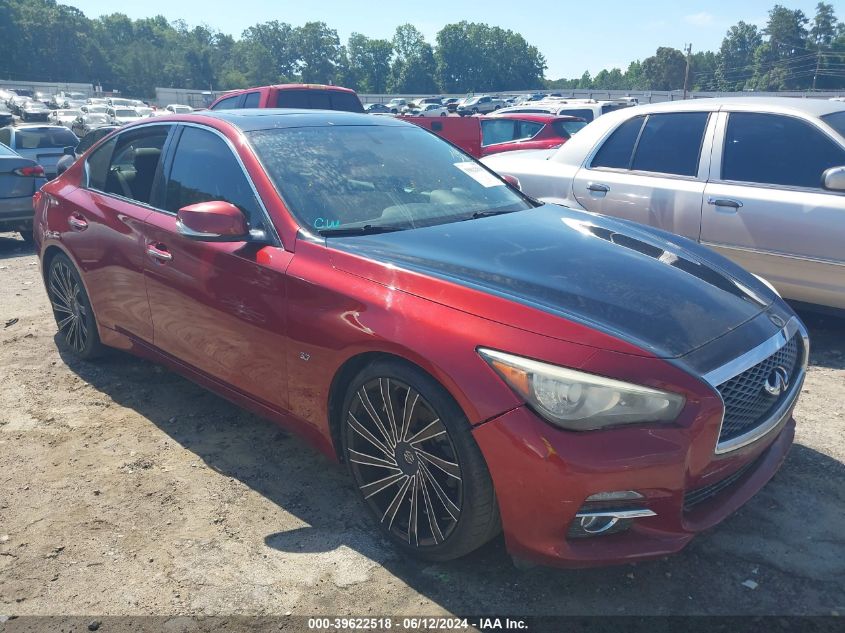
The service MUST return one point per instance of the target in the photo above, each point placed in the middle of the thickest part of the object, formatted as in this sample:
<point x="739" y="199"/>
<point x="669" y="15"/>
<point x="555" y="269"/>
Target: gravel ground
<point x="127" y="490"/>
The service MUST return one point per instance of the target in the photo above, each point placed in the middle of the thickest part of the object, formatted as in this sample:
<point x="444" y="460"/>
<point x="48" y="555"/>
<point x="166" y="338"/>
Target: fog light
<point x="606" y="521"/>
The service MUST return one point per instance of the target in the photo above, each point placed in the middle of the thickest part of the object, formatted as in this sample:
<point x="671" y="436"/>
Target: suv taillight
<point x="34" y="171"/>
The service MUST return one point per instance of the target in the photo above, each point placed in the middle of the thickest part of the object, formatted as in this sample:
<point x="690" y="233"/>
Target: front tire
<point x="72" y="309"/>
<point x="415" y="464"/>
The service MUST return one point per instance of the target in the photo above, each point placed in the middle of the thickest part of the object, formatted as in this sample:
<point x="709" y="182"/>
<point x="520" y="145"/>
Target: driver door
<point x="218" y="307"/>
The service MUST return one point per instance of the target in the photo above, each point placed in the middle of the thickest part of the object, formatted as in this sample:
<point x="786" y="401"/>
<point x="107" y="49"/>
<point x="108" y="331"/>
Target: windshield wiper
<point x="488" y="213"/>
<point x="367" y="229"/>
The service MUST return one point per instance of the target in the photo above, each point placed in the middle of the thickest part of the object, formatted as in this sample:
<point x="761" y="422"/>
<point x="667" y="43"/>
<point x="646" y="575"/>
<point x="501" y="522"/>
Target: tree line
<point x="42" y="40"/>
<point x="791" y="52"/>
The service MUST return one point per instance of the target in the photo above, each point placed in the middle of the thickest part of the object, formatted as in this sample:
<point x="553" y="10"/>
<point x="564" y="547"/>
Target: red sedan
<point x="599" y="390"/>
<point x="510" y="132"/>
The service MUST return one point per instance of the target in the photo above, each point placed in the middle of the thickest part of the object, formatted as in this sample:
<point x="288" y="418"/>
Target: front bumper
<point x="543" y="476"/>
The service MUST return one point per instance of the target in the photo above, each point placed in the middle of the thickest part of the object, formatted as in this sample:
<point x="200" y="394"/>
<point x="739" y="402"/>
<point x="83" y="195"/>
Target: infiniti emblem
<point x="409" y="457"/>
<point x="777" y="381"/>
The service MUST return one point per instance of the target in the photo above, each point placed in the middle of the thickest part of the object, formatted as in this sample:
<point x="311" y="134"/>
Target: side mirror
<point x="834" y="179"/>
<point x="215" y="221"/>
<point x="70" y="150"/>
<point x="513" y="181"/>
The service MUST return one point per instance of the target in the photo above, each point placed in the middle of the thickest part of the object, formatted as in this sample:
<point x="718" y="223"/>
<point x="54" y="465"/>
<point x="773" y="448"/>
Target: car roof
<point x="539" y="117"/>
<point x="252" y="119"/>
<point x="808" y="106"/>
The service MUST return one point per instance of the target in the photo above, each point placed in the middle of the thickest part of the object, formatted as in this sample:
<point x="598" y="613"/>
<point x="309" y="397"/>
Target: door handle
<point x="77" y="223"/>
<point x="158" y="254"/>
<point x="598" y="187"/>
<point x="724" y="202"/>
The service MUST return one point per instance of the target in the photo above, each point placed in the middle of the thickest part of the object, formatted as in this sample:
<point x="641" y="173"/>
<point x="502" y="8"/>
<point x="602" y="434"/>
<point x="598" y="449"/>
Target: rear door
<point x="651" y="169"/>
<point x="217" y="306"/>
<point x="102" y="224"/>
<point x="767" y="210"/>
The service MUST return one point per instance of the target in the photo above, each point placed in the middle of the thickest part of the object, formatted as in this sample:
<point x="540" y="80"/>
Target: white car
<point x="121" y="116"/>
<point x="587" y="109"/>
<point x="396" y="105"/>
<point x="64" y="117"/>
<point x="177" y="108"/>
<point x="432" y="109"/>
<point x="759" y="180"/>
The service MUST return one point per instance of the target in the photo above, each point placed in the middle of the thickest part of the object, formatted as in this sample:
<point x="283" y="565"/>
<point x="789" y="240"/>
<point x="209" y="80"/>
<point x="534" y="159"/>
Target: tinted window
<point x="567" y="128"/>
<point x="836" y="121"/>
<point x="671" y="143"/>
<point x="204" y="169"/>
<point x="251" y="100"/>
<point x="779" y="150"/>
<point x="497" y="131"/>
<point x="92" y="137"/>
<point x="98" y="166"/>
<point x="133" y="164"/>
<point x="582" y="113"/>
<point x="227" y="104"/>
<point x="527" y="129"/>
<point x="617" y="150"/>
<point x="6" y="136"/>
<point x="320" y="100"/>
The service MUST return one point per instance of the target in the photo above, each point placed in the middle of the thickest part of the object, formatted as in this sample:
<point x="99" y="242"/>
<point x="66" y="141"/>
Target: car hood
<point x="660" y="292"/>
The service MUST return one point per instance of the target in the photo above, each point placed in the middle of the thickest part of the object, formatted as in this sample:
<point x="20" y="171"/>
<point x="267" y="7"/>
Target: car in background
<point x="43" y="144"/>
<point x="34" y="111"/>
<point x="587" y="109"/>
<point x="178" y="108"/>
<point x="397" y="104"/>
<point x="452" y="103"/>
<point x="482" y="104"/>
<point x="94" y="108"/>
<point x="87" y="122"/>
<point x="97" y="101"/>
<point x="759" y="180"/>
<point x="299" y="96"/>
<point x="513" y="132"/>
<point x="68" y="99"/>
<point x="117" y="102"/>
<point x="20" y="178"/>
<point x="121" y="115"/>
<point x="376" y="108"/>
<point x="17" y="103"/>
<point x="64" y="117"/>
<point x="432" y="109"/>
<point x="144" y="111"/>
<point x="72" y="153"/>
<point x="478" y="360"/>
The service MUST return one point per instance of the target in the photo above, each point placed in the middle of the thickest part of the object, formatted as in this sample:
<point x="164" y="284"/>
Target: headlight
<point x="578" y="401"/>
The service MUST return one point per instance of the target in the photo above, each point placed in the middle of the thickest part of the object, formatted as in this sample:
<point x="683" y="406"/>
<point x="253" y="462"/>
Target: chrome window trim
<point x="747" y="360"/>
<point x="803" y="258"/>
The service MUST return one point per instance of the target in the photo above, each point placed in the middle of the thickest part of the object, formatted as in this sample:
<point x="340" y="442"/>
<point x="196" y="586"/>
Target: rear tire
<point x="415" y="463"/>
<point x="72" y="309"/>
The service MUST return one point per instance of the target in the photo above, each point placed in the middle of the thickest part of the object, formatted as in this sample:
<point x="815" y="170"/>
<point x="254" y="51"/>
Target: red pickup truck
<point x="306" y="96"/>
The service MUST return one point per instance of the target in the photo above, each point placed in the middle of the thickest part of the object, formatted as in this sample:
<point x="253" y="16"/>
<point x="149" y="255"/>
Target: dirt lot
<point x="125" y="489"/>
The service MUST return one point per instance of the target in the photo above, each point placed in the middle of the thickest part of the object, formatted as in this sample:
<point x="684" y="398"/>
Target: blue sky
<point x="573" y="36"/>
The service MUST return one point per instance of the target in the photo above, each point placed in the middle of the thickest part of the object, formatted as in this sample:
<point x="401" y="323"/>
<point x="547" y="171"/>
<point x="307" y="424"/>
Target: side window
<point x="134" y="161"/>
<point x="619" y="147"/>
<point x="227" y="104"/>
<point x="98" y="165"/>
<point x="251" y="100"/>
<point x="527" y="129"/>
<point x="497" y="131"/>
<point x="777" y="150"/>
<point x="671" y="143"/>
<point x="205" y="169"/>
<point x="6" y="136"/>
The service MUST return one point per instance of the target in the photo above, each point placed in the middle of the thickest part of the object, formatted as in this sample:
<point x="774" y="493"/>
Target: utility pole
<point x="688" y="49"/>
<point x="818" y="63"/>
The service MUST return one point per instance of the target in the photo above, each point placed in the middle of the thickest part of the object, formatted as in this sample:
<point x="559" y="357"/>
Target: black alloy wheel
<point x="72" y="309"/>
<point x="415" y="464"/>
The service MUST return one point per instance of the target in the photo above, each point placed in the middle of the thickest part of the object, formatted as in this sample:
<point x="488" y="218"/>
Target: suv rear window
<point x="44" y="137"/>
<point x="318" y="100"/>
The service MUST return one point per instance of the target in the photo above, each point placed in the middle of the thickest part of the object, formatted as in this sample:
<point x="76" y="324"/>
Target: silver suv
<point x="480" y="105"/>
<point x="760" y="180"/>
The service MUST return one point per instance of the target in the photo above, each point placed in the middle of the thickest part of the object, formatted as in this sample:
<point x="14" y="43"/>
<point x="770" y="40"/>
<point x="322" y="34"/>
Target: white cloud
<point x="699" y="19"/>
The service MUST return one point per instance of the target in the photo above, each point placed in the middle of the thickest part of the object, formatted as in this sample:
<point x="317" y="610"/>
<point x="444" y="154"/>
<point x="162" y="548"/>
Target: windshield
<point x="121" y="102"/>
<point x="347" y="177"/>
<point x="567" y="128"/>
<point x="125" y="113"/>
<point x="836" y="121"/>
<point x="92" y="109"/>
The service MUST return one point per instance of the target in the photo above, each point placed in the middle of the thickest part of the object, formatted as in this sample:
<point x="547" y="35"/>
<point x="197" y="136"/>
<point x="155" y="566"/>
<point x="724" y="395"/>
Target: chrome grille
<point x="747" y="404"/>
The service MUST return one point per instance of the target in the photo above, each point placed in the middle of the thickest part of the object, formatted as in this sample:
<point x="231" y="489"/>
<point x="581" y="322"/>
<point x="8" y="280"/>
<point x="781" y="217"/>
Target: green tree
<point x="369" y="62"/>
<point x="413" y="66"/>
<point x="268" y="54"/>
<point x="735" y="65"/>
<point x="665" y="69"/>
<point x="318" y="47"/>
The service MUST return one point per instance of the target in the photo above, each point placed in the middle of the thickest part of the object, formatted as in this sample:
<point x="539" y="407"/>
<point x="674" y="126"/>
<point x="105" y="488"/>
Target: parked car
<point x="144" y="111"/>
<point x="301" y="96"/>
<point x="72" y="153"/>
<point x="759" y="180"/>
<point x="20" y="178"/>
<point x="480" y="105"/>
<point x="117" y="102"/>
<point x="84" y="124"/>
<point x="587" y="109"/>
<point x="121" y="116"/>
<point x="6" y="117"/>
<point x="376" y="108"/>
<point x="68" y="99"/>
<point x="17" y="103"/>
<point x="432" y="109"/>
<point x="396" y="105"/>
<point x="64" y="117"/>
<point x="43" y="144"/>
<point x="509" y="132"/>
<point x="598" y="389"/>
<point x="451" y="103"/>
<point x="176" y="108"/>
